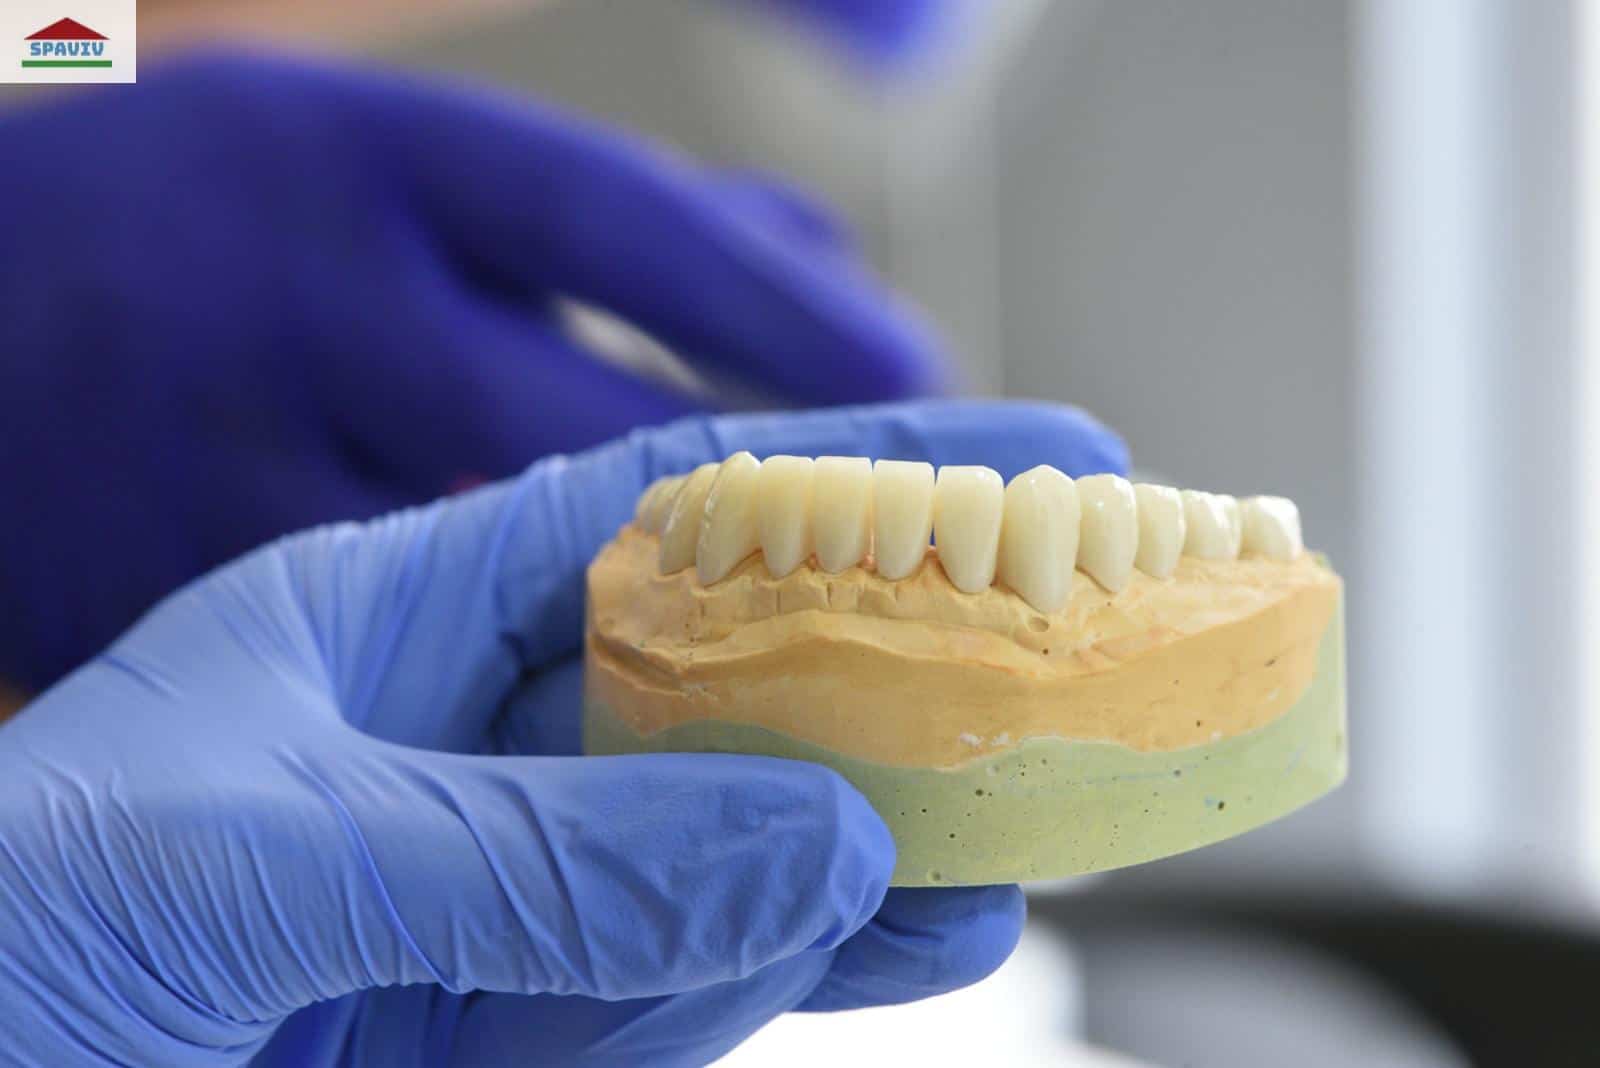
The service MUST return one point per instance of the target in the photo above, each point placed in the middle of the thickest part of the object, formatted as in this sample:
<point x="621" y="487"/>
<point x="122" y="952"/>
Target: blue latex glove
<point x="281" y="815"/>
<point x="885" y="33"/>
<point x="248" y="295"/>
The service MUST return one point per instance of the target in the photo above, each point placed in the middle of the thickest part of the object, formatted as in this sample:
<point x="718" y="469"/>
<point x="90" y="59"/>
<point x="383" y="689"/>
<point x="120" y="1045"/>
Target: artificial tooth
<point x="649" y="493"/>
<point x="1230" y="508"/>
<point x="1109" y="529"/>
<point x="729" y="531"/>
<point x="783" y="507"/>
<point x="658" y="503"/>
<point x="1039" y="537"/>
<point x="902" y="515"/>
<point x="1161" y="529"/>
<point x="680" y="534"/>
<point x="1213" y="526"/>
<point x="968" y="503"/>
<point x="1272" y="528"/>
<point x="841" y="510"/>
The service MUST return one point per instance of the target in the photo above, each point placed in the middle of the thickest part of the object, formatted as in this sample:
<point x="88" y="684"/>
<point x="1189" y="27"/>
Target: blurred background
<point x="1325" y="248"/>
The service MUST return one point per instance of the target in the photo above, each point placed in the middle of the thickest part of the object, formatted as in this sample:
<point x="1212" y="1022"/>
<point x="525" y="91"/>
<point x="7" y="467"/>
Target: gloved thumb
<point x="618" y="877"/>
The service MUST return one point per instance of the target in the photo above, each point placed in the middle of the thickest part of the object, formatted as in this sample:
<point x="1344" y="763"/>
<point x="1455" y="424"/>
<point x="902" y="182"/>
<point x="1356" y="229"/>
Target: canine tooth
<point x="841" y="510"/>
<point x="1272" y="528"/>
<point x="902" y="515"/>
<point x="968" y="503"/>
<point x="783" y="507"/>
<point x="680" y="534"/>
<point x="1213" y="525"/>
<point x="1039" y="537"/>
<point x="1109" y="537"/>
<point x="728" y="532"/>
<point x="1160" y="529"/>
<point x="658" y="503"/>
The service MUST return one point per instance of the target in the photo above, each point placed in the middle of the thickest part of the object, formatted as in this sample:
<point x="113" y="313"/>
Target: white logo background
<point x="114" y="18"/>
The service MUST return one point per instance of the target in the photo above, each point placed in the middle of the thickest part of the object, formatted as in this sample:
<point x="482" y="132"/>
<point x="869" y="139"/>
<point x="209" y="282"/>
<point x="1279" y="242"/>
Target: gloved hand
<point x="318" y="805"/>
<point x="248" y="295"/>
<point x="883" y="32"/>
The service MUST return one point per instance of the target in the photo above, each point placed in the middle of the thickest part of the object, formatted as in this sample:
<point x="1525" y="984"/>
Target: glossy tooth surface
<point x="902" y="515"/>
<point x="658" y="503"/>
<point x="641" y="509"/>
<point x="968" y="504"/>
<point x="1212" y="527"/>
<point x="1161" y="528"/>
<point x="783" y="508"/>
<point x="1039" y="537"/>
<point x="1109" y="530"/>
<point x="1230" y="508"/>
<point x="680" y="534"/>
<point x="841" y="511"/>
<point x="1272" y="528"/>
<point x="728" y="531"/>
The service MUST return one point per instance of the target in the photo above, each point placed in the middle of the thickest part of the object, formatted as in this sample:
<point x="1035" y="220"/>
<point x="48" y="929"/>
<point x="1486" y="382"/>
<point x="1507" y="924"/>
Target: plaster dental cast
<point x="1077" y="675"/>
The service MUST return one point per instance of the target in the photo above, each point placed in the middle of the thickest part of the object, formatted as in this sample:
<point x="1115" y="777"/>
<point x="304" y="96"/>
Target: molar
<point x="1161" y="529"/>
<point x="841" y="510"/>
<point x="968" y="503"/>
<point x="783" y="507"/>
<point x="902" y="515"/>
<point x="680" y="534"/>
<point x="1272" y="528"/>
<point x="1039" y="537"/>
<point x="728" y="531"/>
<point x="1109" y="535"/>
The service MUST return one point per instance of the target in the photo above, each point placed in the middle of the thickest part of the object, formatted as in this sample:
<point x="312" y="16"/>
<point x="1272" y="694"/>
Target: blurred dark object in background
<point x="1496" y="988"/>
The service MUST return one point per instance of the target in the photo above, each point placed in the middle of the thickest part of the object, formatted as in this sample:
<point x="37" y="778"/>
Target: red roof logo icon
<point x="66" y="30"/>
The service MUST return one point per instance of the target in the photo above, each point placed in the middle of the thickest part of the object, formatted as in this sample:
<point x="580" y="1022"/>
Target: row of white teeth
<point x="1031" y="534"/>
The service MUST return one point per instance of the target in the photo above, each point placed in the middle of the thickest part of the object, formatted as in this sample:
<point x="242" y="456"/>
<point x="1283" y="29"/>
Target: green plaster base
<point x="1049" y="807"/>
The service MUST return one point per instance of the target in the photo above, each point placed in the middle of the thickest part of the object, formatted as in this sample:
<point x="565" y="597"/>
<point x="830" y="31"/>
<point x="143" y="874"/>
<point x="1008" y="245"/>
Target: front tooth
<point x="1110" y="529"/>
<point x="1272" y="528"/>
<point x="680" y="534"/>
<point x="783" y="504"/>
<point x="902" y="515"/>
<point x="1039" y="537"/>
<point x="1161" y="529"/>
<point x="1213" y="525"/>
<point x="841" y="510"/>
<point x="968" y="503"/>
<point x="657" y="503"/>
<point x="729" y="533"/>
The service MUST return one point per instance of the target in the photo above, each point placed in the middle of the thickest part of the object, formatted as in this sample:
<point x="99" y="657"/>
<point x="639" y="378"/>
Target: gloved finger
<point x="789" y="210"/>
<point x="544" y="716"/>
<point x="501" y="389"/>
<point x="923" y="942"/>
<point x="920" y="944"/>
<point x="621" y="877"/>
<point x="688" y="1030"/>
<point x="569" y="208"/>
<point x="884" y="33"/>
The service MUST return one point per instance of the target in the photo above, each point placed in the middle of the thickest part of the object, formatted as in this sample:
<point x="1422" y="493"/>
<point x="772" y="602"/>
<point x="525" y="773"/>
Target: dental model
<point x="1027" y="680"/>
